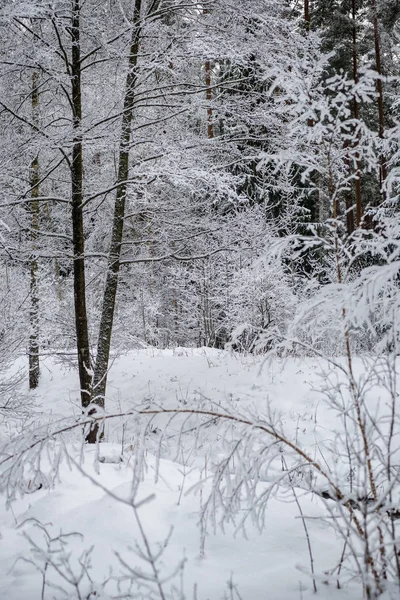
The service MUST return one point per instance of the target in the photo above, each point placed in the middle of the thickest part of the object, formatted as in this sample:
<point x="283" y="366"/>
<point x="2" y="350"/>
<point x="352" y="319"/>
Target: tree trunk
<point x="307" y="20"/>
<point x="314" y="198"/>
<point x="207" y="70"/>
<point x="110" y="291"/>
<point x="210" y="126"/>
<point x="356" y="116"/>
<point x="349" y="195"/>
<point x="379" y="87"/>
<point x="81" y="322"/>
<point x="34" y="365"/>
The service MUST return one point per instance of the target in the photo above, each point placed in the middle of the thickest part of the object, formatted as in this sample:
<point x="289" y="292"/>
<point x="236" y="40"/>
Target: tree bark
<point x="356" y="117"/>
<point x="34" y="210"/>
<point x="307" y="20"/>
<point x="315" y="200"/>
<point x="210" y="126"/>
<point x="349" y="196"/>
<point x="113" y="266"/>
<point x="207" y="70"/>
<point x="81" y="321"/>
<point x="379" y="87"/>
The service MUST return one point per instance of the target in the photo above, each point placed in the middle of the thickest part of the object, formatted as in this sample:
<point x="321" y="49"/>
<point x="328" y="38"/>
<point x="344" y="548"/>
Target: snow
<point x="272" y="564"/>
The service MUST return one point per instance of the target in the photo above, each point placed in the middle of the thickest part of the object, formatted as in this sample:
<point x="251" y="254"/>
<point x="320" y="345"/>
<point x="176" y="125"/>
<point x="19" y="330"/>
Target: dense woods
<point x="184" y="174"/>
<point x="176" y="173"/>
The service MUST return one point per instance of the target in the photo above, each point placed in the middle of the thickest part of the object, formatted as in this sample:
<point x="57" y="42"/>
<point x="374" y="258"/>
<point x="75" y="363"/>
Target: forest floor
<point x="271" y="564"/>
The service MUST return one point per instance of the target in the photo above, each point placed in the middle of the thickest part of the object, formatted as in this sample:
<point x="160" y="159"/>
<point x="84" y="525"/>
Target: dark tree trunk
<point x="356" y="116"/>
<point x="113" y="267"/>
<point x="207" y="70"/>
<point x="34" y="365"/>
<point x="379" y="87"/>
<point x="307" y="19"/>
<point x="81" y="323"/>
<point x="314" y="203"/>
<point x="210" y="127"/>
<point x="349" y="196"/>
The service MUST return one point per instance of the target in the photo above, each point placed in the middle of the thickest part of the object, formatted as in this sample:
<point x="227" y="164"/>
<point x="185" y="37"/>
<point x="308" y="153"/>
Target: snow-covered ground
<point x="271" y="564"/>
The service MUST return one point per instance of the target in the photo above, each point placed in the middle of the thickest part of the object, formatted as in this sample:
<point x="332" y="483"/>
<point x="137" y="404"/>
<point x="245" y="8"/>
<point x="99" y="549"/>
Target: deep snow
<point x="268" y="565"/>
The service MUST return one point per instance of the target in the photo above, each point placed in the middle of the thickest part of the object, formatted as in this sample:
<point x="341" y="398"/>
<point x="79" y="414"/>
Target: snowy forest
<point x="199" y="293"/>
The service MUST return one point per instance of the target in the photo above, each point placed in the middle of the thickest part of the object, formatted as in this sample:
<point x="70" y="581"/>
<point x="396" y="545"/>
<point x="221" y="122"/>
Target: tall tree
<point x="113" y="264"/>
<point x="208" y="71"/>
<point x="81" y="319"/>
<point x="34" y="210"/>
<point x="379" y="86"/>
<point x="356" y="114"/>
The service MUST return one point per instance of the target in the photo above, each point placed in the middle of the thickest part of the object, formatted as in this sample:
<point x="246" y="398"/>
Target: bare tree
<point x="113" y="263"/>
<point x="34" y="209"/>
<point x="81" y="320"/>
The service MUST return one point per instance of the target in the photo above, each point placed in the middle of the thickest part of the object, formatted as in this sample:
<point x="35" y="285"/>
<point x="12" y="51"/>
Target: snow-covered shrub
<point x="261" y="301"/>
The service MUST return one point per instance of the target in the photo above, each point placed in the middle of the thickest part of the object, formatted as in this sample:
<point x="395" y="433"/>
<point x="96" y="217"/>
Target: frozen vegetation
<point x="199" y="299"/>
<point x="178" y="504"/>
